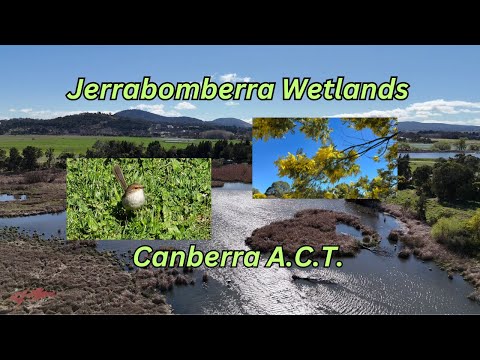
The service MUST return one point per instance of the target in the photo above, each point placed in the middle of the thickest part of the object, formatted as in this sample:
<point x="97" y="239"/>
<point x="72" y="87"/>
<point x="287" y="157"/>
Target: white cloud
<point x="249" y="120"/>
<point x="232" y="103"/>
<point x="185" y="105"/>
<point x="233" y="77"/>
<point x="156" y="109"/>
<point x="439" y="110"/>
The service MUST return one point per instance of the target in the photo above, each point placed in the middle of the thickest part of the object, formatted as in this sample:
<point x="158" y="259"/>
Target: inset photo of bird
<point x="138" y="199"/>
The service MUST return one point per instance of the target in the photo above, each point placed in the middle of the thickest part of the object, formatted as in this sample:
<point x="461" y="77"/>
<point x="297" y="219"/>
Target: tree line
<point x="442" y="145"/>
<point x="453" y="181"/>
<point x="28" y="159"/>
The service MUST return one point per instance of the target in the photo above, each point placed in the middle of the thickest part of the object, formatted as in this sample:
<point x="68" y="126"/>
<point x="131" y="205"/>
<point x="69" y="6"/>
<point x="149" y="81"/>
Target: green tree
<point x="3" y="158"/>
<point x="442" y="146"/>
<point x="155" y="150"/>
<point x="14" y="160"/>
<point x="422" y="179"/>
<point x="278" y="188"/>
<point x="49" y="153"/>
<point x="461" y="144"/>
<point x="452" y="181"/>
<point x="421" y="206"/>
<point x="30" y="156"/>
<point x="404" y="172"/>
<point x="255" y="191"/>
<point x="62" y="159"/>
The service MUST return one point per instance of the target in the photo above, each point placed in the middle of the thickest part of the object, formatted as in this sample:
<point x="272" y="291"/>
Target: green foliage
<point x="30" y="156"/>
<point x="177" y="192"/>
<point x="62" y="159"/>
<point x="461" y="144"/>
<point x="403" y="146"/>
<point x="50" y="154"/>
<point x="421" y="207"/>
<point x="442" y="146"/>
<point x="404" y="171"/>
<point x="474" y="147"/>
<point x="278" y="188"/>
<point x="452" y="181"/>
<point x="14" y="160"/>
<point x="421" y="175"/>
<point x="455" y="234"/>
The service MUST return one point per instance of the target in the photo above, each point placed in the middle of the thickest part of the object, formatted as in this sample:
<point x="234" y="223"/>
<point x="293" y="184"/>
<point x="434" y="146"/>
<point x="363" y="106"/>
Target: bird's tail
<point x="119" y="175"/>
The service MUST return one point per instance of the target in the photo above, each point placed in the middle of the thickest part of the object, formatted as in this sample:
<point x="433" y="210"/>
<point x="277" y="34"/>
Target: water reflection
<point x="47" y="224"/>
<point x="366" y="284"/>
<point x="8" y="197"/>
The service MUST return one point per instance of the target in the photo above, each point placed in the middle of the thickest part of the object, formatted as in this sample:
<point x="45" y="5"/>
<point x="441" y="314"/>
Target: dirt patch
<point x="51" y="277"/>
<point x="417" y="238"/>
<point x="45" y="196"/>
<point x="313" y="227"/>
<point x="233" y="173"/>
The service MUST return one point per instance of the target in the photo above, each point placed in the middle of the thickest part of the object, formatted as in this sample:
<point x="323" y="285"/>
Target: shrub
<point x="259" y="196"/>
<point x="454" y="233"/>
<point x="33" y="177"/>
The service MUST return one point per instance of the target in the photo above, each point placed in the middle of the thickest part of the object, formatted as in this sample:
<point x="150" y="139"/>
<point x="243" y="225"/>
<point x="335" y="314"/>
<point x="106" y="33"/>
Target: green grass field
<point x="419" y="146"/>
<point x="415" y="163"/>
<point x="435" y="210"/>
<point x="80" y="144"/>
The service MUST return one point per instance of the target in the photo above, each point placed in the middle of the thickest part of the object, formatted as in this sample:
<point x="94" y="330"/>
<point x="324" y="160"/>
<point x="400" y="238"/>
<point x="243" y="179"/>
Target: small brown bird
<point x="133" y="198"/>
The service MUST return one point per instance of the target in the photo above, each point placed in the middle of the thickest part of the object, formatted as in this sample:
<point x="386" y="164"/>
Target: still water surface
<point x="435" y="155"/>
<point x="366" y="284"/>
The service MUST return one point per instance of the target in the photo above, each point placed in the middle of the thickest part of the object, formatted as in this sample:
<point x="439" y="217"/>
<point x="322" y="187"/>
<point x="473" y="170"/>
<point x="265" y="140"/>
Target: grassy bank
<point x="407" y="199"/>
<point x="417" y="236"/>
<point x="415" y="163"/>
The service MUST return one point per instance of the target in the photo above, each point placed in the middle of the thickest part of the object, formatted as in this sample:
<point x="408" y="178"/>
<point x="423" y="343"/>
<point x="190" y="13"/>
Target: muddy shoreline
<point x="417" y="240"/>
<point x="45" y="191"/>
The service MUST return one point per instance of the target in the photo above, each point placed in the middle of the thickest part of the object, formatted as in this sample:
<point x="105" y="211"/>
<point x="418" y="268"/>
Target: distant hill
<point x="124" y="123"/>
<point x="181" y="120"/>
<point x="231" y="122"/>
<point x="145" y="115"/>
<point x="415" y="126"/>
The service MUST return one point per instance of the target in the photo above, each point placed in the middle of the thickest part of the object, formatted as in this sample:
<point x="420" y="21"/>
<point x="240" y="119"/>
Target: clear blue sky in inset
<point x="266" y="152"/>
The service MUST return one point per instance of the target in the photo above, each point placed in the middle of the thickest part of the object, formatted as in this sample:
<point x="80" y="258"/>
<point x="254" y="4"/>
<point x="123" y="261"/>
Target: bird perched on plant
<point x="133" y="197"/>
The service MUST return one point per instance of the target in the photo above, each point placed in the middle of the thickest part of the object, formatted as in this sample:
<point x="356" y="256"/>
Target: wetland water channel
<point x="366" y="284"/>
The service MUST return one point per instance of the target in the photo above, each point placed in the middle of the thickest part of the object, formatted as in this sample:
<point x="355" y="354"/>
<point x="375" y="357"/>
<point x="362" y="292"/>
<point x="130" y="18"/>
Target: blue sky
<point x="445" y="80"/>
<point x="266" y="152"/>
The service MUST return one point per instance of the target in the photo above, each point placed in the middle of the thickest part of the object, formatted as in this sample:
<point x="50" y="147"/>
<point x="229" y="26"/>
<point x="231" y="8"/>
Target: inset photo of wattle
<point x="324" y="158"/>
<point x="138" y="199"/>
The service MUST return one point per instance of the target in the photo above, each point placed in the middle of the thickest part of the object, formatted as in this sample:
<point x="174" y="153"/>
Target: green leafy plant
<point x="177" y="192"/>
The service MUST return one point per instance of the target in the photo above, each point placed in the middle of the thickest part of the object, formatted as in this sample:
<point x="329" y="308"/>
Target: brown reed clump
<point x="313" y="227"/>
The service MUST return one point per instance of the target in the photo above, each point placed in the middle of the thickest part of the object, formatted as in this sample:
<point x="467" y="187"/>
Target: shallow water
<point x="435" y="155"/>
<point x="366" y="284"/>
<point x="8" y="197"/>
<point x="47" y="224"/>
